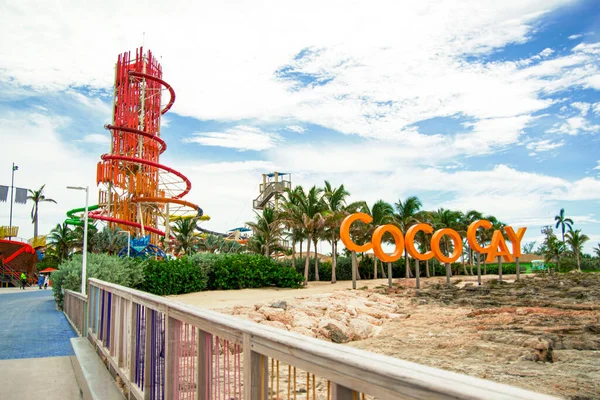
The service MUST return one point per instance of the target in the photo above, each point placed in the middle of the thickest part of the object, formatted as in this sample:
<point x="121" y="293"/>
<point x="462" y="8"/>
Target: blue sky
<point x="466" y="104"/>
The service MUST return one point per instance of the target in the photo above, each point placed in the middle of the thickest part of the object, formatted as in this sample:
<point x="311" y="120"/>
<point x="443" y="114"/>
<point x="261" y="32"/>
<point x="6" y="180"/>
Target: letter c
<point x="472" y="235"/>
<point x="409" y="241"/>
<point x="345" y="232"/>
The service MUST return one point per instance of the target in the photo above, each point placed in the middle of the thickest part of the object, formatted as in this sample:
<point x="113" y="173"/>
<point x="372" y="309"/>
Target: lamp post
<point x="128" y="240"/>
<point x="85" y="234"/>
<point x="12" y="188"/>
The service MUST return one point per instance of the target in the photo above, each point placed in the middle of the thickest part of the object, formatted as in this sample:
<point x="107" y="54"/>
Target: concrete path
<point x="32" y="327"/>
<point x="50" y="378"/>
<point x="35" y="347"/>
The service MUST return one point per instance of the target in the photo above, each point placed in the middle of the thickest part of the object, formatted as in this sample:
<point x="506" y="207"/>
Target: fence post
<point x="339" y="392"/>
<point x="148" y="354"/>
<point x="131" y="349"/>
<point x="204" y="360"/>
<point x="390" y="275"/>
<point x="256" y="372"/>
<point x="171" y="340"/>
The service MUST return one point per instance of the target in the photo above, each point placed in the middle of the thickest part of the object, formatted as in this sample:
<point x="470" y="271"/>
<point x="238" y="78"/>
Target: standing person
<point x="23" y="280"/>
<point x="46" y="281"/>
<point x="41" y="281"/>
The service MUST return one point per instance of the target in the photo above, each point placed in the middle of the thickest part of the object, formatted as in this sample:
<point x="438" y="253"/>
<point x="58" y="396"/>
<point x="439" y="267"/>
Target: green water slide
<point x="76" y="220"/>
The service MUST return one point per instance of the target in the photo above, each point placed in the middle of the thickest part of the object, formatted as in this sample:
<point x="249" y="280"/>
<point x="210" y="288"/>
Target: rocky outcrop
<point x="340" y="317"/>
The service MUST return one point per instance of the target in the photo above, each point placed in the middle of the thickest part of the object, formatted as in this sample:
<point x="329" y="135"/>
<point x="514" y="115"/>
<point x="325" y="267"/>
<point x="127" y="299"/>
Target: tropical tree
<point x="110" y="241"/>
<point x="576" y="240"/>
<point x="291" y="217"/>
<point x="313" y="213"/>
<point x="467" y="219"/>
<point x="382" y="213"/>
<point x="563" y="222"/>
<point x="62" y="239"/>
<point x="553" y="248"/>
<point x="37" y="196"/>
<point x="184" y="231"/>
<point x="92" y="239"/>
<point x="406" y="216"/>
<point x="335" y="201"/>
<point x="444" y="218"/>
<point x="528" y="247"/>
<point x="597" y="250"/>
<point x="268" y="226"/>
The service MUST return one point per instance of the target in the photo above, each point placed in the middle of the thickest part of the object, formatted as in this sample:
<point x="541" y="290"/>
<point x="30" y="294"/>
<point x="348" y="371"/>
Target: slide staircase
<point x="9" y="275"/>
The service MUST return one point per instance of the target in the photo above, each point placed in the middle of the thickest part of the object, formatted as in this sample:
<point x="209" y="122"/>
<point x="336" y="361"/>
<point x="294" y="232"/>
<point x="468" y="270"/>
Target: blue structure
<point x="141" y="247"/>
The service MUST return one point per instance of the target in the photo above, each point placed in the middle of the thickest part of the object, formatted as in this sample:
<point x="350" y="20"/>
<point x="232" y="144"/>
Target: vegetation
<point x="119" y="270"/>
<point x="37" y="197"/>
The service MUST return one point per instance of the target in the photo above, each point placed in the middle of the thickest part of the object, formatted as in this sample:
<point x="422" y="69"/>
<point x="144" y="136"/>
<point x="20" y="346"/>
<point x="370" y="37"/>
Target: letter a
<point x="493" y="252"/>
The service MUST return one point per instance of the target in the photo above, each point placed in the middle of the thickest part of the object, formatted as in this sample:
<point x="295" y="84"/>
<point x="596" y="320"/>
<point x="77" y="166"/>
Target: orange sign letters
<point x="439" y="241"/>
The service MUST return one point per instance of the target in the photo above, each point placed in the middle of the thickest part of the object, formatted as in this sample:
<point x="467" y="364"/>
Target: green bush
<point x="122" y="271"/>
<point x="240" y="271"/>
<point x="177" y="276"/>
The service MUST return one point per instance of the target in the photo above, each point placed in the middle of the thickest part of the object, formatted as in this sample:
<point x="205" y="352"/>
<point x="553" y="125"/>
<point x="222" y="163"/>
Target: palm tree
<point x="382" y="213"/>
<point x="563" y="222"/>
<point x="62" y="239"/>
<point x="268" y="226"/>
<point x="576" y="240"/>
<point x="184" y="232"/>
<point x="468" y="218"/>
<point x="110" y="241"/>
<point x="291" y="217"/>
<point x="444" y="218"/>
<point x="406" y="212"/>
<point x="313" y="211"/>
<point x="554" y="248"/>
<point x="597" y="251"/>
<point x="37" y="196"/>
<point x="335" y="201"/>
<point x="92" y="239"/>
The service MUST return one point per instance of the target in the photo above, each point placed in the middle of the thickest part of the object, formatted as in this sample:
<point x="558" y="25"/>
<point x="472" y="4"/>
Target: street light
<point x="85" y="233"/>
<point x="128" y="240"/>
<point x="12" y="187"/>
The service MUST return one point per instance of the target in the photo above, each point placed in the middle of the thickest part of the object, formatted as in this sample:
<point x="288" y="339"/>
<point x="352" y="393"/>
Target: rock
<point x="301" y="320"/>
<point x="360" y="329"/>
<point x="280" y="304"/>
<point x="274" y="324"/>
<point x="373" y="312"/>
<point x="277" y="314"/>
<point x="370" y="320"/>
<point x="336" y="335"/>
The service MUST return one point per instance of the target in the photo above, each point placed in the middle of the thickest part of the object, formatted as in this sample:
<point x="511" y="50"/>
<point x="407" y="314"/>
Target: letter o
<point x="398" y="238"/>
<point x="345" y="232"/>
<point x="435" y="245"/>
<point x="409" y="241"/>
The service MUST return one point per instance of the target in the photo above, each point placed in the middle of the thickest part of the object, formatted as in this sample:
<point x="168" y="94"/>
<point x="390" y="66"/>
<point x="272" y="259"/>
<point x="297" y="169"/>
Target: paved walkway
<point x="31" y="327"/>
<point x="35" y="347"/>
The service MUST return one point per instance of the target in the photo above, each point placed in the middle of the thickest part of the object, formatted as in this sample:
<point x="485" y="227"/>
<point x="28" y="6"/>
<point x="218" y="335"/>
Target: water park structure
<point x="136" y="192"/>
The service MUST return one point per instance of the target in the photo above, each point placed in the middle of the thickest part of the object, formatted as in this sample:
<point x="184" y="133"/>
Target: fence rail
<point x="163" y="349"/>
<point x="75" y="309"/>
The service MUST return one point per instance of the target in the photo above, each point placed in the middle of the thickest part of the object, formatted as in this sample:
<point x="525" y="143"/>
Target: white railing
<point x="163" y="349"/>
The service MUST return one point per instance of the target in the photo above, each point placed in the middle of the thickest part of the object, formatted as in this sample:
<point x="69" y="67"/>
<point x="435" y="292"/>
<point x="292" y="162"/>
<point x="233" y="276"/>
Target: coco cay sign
<point x="497" y="247"/>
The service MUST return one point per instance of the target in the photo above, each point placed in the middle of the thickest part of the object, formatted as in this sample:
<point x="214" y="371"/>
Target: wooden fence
<point x="163" y="349"/>
<point x="75" y="309"/>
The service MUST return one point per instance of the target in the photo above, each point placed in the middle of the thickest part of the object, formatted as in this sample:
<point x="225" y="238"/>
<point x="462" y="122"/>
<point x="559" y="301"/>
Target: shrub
<point x="122" y="271"/>
<point x="177" y="276"/>
<point x="240" y="271"/>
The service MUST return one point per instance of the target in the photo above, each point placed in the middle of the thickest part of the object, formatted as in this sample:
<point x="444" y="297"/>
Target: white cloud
<point x="380" y="84"/>
<point x="295" y="128"/>
<point x="576" y="36"/>
<point x="597" y="166"/>
<point x="543" y="145"/>
<point x="239" y="137"/>
<point x="582" y="107"/>
<point x="575" y="125"/>
<point x="596" y="108"/>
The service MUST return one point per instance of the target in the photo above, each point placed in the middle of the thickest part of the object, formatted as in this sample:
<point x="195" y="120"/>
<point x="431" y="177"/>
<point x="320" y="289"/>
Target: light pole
<point x="85" y="234"/>
<point x="128" y="240"/>
<point x="12" y="188"/>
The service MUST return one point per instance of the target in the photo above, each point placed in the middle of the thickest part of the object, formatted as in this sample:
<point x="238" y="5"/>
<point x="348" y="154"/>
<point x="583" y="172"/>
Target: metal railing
<point x="75" y="309"/>
<point x="266" y="192"/>
<point x="163" y="349"/>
